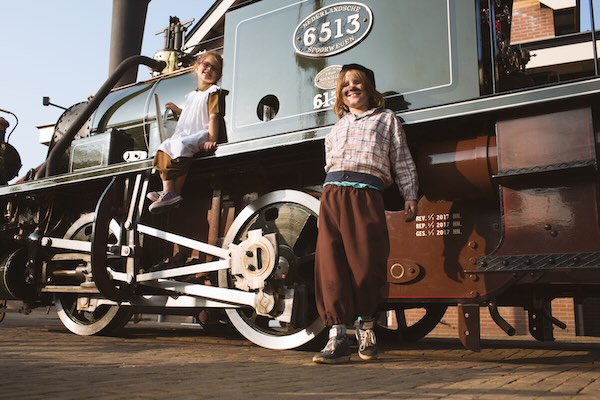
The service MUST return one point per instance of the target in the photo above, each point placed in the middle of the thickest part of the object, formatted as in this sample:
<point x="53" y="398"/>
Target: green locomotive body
<point x="505" y="144"/>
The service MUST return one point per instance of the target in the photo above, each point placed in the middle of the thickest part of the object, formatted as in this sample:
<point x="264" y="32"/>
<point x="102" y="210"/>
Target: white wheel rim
<point x="277" y="342"/>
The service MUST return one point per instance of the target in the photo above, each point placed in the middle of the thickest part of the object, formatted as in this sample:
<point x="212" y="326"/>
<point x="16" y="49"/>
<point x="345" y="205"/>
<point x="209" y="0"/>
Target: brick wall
<point x="531" y="21"/>
<point x="562" y="309"/>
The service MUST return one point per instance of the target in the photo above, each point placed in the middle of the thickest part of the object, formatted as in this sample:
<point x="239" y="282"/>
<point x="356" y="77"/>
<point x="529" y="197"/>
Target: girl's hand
<point x="173" y="107"/>
<point x="209" y="146"/>
<point x="410" y="210"/>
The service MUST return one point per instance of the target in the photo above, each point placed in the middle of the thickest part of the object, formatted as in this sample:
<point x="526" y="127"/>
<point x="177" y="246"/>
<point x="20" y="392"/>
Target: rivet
<point x="547" y="227"/>
<point x="505" y="262"/>
<point x="553" y="233"/>
<point x="473" y="244"/>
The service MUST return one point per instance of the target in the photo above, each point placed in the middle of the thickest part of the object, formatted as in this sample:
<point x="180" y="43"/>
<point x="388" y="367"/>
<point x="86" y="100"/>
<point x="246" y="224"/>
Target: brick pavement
<point x="40" y="359"/>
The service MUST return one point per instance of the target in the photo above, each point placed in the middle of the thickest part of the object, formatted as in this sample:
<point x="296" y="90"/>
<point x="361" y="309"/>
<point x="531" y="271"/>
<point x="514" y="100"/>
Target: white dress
<point x="192" y="128"/>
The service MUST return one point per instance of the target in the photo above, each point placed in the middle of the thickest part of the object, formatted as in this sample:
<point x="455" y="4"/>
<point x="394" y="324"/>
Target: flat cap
<point x="367" y="71"/>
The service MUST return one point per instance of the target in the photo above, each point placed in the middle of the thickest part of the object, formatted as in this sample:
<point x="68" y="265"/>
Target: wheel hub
<point x="254" y="260"/>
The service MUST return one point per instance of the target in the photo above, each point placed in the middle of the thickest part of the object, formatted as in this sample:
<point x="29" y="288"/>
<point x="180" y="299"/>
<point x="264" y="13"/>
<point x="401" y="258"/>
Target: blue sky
<point x="60" y="49"/>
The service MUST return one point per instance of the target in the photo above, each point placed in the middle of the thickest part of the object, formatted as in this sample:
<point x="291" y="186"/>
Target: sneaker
<point x="165" y="202"/>
<point x="337" y="350"/>
<point x="153" y="196"/>
<point x="365" y="336"/>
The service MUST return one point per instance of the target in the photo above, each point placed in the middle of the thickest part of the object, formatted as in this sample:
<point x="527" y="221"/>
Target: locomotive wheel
<point x="292" y="215"/>
<point x="417" y="330"/>
<point x="2" y="307"/>
<point x="105" y="319"/>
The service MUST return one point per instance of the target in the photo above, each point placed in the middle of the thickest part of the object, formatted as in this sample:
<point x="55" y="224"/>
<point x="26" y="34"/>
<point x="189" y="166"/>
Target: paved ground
<point x="40" y="359"/>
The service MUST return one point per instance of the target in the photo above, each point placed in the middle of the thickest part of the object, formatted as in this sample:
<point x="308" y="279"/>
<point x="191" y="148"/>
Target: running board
<point x="538" y="262"/>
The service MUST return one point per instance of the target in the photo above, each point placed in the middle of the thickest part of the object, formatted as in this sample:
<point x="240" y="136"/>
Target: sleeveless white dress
<point x="192" y="128"/>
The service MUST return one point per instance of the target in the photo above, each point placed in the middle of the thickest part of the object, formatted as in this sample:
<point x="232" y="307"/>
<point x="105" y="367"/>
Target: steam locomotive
<point x="505" y="144"/>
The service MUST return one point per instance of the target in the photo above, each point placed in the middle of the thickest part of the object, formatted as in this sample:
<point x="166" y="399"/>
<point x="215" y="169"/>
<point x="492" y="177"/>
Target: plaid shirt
<point x="374" y="144"/>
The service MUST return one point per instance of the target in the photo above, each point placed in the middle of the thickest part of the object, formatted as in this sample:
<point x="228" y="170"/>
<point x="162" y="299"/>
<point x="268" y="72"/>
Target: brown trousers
<point x="351" y="255"/>
<point x="171" y="168"/>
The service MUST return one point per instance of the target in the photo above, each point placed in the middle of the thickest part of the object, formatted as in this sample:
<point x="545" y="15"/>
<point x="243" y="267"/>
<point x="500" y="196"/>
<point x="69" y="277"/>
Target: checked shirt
<point x="373" y="143"/>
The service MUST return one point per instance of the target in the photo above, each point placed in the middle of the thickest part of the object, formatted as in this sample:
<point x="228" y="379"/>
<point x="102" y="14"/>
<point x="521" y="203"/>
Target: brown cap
<point x="367" y="71"/>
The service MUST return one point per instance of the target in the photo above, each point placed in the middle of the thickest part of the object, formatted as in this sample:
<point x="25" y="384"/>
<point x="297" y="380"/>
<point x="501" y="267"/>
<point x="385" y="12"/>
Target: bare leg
<point x="174" y="185"/>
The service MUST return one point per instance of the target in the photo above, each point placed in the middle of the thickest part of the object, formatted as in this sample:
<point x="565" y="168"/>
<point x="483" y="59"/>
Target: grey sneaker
<point x="165" y="202"/>
<point x="337" y="350"/>
<point x="367" y="343"/>
<point x="153" y="196"/>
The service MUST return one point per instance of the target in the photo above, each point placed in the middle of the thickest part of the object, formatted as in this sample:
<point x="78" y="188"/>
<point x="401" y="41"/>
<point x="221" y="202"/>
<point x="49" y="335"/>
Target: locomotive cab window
<point x="544" y="42"/>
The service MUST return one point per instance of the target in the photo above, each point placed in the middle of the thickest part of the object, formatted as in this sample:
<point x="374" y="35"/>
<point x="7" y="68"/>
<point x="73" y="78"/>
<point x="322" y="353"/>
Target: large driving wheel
<point x="105" y="319"/>
<point x="292" y="216"/>
<point x="2" y="307"/>
<point x="414" y="327"/>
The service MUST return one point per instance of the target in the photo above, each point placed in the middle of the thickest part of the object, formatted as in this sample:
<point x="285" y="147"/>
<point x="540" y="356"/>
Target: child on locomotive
<point x="361" y="151"/>
<point x="197" y="130"/>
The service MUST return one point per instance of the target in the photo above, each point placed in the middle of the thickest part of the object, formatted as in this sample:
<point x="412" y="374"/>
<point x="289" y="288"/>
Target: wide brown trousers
<point x="351" y="255"/>
<point x="171" y="168"/>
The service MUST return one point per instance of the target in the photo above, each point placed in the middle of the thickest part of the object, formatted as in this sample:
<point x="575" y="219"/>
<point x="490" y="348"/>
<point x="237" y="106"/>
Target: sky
<point x="61" y="49"/>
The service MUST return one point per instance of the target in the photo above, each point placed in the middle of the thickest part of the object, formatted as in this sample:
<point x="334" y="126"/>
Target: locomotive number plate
<point x="332" y="29"/>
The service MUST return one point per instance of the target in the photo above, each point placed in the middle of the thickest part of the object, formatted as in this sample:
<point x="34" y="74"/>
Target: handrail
<point x="49" y="166"/>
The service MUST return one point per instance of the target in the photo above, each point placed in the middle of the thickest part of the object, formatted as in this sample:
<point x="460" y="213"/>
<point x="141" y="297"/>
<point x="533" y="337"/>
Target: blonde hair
<point x="216" y="56"/>
<point x="375" y="98"/>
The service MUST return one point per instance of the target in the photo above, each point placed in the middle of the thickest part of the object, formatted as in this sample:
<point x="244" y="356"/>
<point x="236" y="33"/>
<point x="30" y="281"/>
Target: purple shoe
<point x="153" y="196"/>
<point x="165" y="202"/>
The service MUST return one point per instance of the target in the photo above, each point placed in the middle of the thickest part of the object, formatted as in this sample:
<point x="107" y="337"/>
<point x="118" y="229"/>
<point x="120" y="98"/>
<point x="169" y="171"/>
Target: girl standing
<point x="362" y="150"/>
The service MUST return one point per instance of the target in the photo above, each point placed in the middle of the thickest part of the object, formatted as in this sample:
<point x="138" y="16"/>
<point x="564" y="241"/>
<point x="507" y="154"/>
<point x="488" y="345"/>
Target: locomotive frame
<point x="503" y="220"/>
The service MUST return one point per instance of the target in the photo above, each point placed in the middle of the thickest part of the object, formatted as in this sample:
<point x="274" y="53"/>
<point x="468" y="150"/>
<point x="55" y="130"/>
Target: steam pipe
<point x="467" y="166"/>
<point x="554" y="320"/>
<point x="48" y="168"/>
<point x="501" y="322"/>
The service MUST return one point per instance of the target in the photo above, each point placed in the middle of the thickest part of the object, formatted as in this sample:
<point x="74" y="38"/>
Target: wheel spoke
<point x="104" y="319"/>
<point x="307" y="239"/>
<point x="411" y="332"/>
